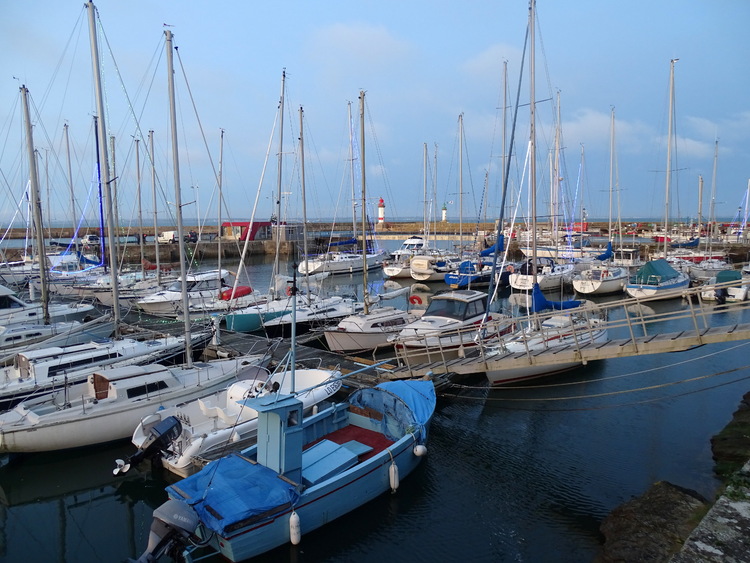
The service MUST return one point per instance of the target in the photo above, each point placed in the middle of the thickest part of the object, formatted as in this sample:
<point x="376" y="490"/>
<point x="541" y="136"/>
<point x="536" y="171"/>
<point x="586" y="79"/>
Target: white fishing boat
<point x="112" y="403"/>
<point x="185" y="437"/>
<point x="433" y="267"/>
<point x="36" y="373"/>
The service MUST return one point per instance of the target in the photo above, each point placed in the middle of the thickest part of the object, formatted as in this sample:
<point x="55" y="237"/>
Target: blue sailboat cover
<point x="234" y="490"/>
<point x="540" y="303"/>
<point x="499" y="245"/>
<point x="607" y="253"/>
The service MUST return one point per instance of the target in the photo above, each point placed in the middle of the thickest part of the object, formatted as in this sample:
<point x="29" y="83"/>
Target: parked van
<point x="168" y="237"/>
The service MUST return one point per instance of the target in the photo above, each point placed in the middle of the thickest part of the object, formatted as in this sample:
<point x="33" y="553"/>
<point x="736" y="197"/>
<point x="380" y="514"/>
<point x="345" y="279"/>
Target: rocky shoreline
<point x="670" y="523"/>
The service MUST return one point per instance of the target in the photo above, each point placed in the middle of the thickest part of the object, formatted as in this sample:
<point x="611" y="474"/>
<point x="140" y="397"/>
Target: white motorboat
<point x="317" y="313"/>
<point x="186" y="436"/>
<point x="454" y="323"/>
<point x="112" y="404"/>
<point x="727" y="286"/>
<point x="204" y="289"/>
<point x="341" y="262"/>
<point x="14" y="310"/>
<point x="367" y="331"/>
<point x="36" y="373"/>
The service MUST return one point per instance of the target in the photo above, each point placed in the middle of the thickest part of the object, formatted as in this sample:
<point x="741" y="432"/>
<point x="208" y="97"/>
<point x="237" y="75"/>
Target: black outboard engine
<point x="158" y="440"/>
<point x="721" y="295"/>
<point x="173" y="526"/>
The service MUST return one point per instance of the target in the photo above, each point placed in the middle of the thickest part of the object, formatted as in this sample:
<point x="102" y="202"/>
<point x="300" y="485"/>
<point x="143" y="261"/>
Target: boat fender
<point x="420" y="450"/>
<point x="393" y="476"/>
<point x="295" y="532"/>
<point x="289" y="291"/>
<point x="415" y="300"/>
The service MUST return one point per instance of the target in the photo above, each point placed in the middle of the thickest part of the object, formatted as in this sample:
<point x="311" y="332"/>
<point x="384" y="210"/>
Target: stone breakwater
<point x="671" y="524"/>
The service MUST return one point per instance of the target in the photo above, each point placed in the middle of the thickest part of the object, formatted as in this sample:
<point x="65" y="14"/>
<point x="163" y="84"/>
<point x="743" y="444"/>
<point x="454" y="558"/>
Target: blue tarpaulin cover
<point x="232" y="491"/>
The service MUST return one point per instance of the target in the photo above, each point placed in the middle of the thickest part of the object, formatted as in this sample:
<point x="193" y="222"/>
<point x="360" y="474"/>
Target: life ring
<point x="415" y="300"/>
<point x="289" y="291"/>
<point x="605" y="273"/>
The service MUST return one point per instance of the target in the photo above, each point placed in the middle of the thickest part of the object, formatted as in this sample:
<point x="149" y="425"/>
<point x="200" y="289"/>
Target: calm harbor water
<point x="513" y="474"/>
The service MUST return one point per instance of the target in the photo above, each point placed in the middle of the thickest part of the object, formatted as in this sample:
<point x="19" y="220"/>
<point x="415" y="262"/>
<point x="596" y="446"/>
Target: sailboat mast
<point x="70" y="182"/>
<point x="36" y="205"/>
<point x="221" y="199"/>
<point x="461" y="185"/>
<point x="140" y="206"/>
<point x="532" y="134"/>
<point x="365" y="293"/>
<point x="280" y="160"/>
<point x="351" y="171"/>
<point x="104" y="166"/>
<point x="178" y="199"/>
<point x="425" y="212"/>
<point x="611" y="168"/>
<point x="153" y="198"/>
<point x="304" y="202"/>
<point x="669" y="155"/>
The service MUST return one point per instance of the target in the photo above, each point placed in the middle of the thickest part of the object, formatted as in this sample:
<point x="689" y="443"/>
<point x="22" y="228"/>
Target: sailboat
<point x="604" y="278"/>
<point x="338" y="262"/>
<point x="658" y="278"/>
<point x="575" y="324"/>
<point x="370" y="328"/>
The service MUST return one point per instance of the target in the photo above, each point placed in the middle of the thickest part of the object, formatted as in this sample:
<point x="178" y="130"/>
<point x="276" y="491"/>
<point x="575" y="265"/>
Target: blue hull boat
<point x="303" y="475"/>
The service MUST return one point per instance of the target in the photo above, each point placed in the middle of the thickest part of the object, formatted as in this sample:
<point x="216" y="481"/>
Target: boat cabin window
<point x="146" y="389"/>
<point x="446" y="308"/>
<point x="7" y="303"/>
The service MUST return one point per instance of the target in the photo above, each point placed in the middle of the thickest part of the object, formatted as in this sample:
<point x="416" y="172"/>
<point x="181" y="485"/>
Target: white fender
<point x="393" y="476"/>
<point x="420" y="450"/>
<point x="295" y="532"/>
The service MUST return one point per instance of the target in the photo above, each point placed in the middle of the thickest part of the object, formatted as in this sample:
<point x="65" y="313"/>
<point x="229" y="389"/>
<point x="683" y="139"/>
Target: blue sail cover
<point x="499" y="245"/>
<point x="693" y="243"/>
<point x="232" y="490"/>
<point x="540" y="303"/>
<point x="607" y="253"/>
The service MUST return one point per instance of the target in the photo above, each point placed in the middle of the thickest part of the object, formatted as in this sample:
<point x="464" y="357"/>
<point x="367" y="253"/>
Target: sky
<point x="434" y="76"/>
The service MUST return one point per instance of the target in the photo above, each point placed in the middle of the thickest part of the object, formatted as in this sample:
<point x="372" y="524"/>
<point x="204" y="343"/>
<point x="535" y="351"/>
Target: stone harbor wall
<point x="671" y="524"/>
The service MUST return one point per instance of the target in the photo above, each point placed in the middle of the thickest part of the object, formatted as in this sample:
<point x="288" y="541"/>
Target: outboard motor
<point x="159" y="438"/>
<point x="174" y="524"/>
<point x="721" y="295"/>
